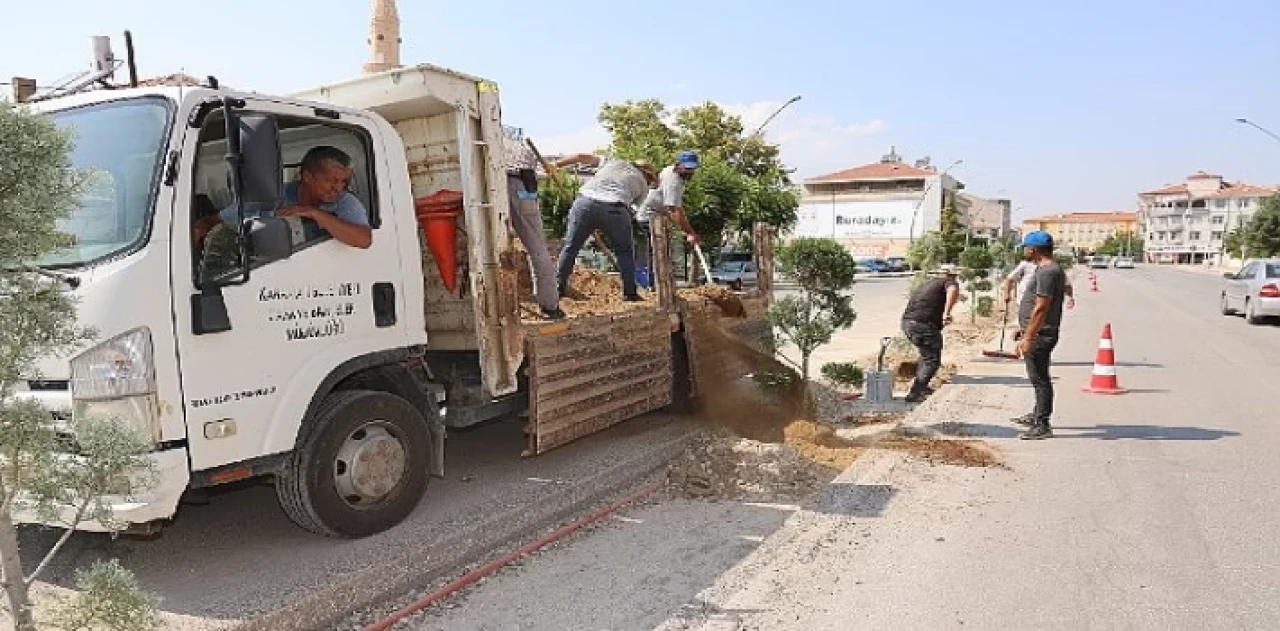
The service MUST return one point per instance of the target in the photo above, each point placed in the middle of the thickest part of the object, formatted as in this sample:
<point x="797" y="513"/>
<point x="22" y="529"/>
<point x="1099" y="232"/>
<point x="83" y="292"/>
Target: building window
<point x="1218" y="220"/>
<point x="1219" y="203"/>
<point x="1244" y="203"/>
<point x="1217" y="236"/>
<point x="1195" y="235"/>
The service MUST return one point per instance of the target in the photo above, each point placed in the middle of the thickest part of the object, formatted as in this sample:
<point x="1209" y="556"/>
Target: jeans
<point x="526" y="220"/>
<point x="1038" y="359"/>
<point x="927" y="339"/>
<point x="585" y="217"/>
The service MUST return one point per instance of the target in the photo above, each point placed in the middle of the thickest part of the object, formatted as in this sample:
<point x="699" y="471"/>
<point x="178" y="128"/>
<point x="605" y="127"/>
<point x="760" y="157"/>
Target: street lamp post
<point x="911" y="236"/>
<point x="773" y="115"/>
<point x="1245" y="121"/>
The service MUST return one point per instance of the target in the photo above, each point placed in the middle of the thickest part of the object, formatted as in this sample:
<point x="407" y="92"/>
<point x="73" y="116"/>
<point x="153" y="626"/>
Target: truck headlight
<point x="117" y="379"/>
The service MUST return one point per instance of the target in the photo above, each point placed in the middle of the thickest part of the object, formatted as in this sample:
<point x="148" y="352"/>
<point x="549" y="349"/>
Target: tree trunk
<point x="15" y="588"/>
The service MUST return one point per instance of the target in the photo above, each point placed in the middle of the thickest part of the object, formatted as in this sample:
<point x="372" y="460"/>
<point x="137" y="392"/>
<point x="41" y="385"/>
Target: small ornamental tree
<point x="38" y="187"/>
<point x="824" y="271"/>
<point x="975" y="271"/>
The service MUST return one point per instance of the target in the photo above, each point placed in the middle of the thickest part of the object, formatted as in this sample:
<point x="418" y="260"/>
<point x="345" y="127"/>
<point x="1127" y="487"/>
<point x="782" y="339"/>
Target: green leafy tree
<point x="1121" y="243"/>
<point x="554" y="201"/>
<point x="824" y="271"/>
<point x="639" y="130"/>
<point x="741" y="180"/>
<point x="1262" y="232"/>
<point x="975" y="271"/>
<point x="1005" y="253"/>
<point x="1234" y="242"/>
<point x="38" y="187"/>
<point x="951" y="232"/>
<point x="927" y="252"/>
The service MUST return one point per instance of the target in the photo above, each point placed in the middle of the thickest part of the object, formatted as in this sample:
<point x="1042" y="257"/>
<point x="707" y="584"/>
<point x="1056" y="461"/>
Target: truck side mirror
<point x="270" y="239"/>
<point x="261" y="166"/>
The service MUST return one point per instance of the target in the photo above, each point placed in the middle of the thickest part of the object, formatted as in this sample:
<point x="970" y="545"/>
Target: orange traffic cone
<point x="438" y="218"/>
<point x="1104" y="380"/>
<point x="1093" y="285"/>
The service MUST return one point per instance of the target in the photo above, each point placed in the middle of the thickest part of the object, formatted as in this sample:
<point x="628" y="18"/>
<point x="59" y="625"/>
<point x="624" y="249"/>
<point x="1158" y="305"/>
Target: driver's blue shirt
<point x="348" y="208"/>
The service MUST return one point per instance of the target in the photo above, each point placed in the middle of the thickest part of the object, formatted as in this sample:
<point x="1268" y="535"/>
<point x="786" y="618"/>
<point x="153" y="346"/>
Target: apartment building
<point x="987" y="218"/>
<point x="877" y="209"/>
<point x="1188" y="222"/>
<point x="1083" y="232"/>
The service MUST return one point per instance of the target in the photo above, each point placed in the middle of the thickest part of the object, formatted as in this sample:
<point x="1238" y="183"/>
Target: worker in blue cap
<point x="1039" y="319"/>
<point x="665" y="201"/>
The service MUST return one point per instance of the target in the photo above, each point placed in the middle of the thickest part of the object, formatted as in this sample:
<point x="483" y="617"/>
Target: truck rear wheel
<point x="361" y="469"/>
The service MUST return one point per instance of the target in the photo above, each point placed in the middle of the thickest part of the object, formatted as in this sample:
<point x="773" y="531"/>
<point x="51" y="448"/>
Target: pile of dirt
<point x="721" y="465"/>
<point x="951" y="451"/>
<point x="759" y="442"/>
<point x="591" y="292"/>
<point x="728" y="302"/>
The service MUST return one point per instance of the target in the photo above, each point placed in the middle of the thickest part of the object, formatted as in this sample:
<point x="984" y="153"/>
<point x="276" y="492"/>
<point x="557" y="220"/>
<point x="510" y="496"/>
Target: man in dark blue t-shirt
<point x="1039" y="317"/>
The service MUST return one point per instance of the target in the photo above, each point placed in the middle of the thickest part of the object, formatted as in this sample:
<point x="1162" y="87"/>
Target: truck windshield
<point x="117" y="147"/>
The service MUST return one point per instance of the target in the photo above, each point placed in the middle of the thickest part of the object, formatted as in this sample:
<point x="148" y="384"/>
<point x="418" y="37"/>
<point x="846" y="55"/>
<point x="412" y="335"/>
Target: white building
<point x="875" y="210"/>
<point x="1188" y="222"/>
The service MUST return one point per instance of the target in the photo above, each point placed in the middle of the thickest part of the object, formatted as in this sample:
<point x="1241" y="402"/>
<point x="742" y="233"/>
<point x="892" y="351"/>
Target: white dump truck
<point x="333" y="370"/>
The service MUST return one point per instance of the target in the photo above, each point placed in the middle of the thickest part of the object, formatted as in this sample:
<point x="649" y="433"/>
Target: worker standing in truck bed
<point x="667" y="201"/>
<point x="526" y="220"/>
<point x="605" y="202"/>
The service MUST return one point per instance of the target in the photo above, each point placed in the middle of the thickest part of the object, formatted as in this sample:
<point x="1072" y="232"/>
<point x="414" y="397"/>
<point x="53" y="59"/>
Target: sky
<point x="1065" y="106"/>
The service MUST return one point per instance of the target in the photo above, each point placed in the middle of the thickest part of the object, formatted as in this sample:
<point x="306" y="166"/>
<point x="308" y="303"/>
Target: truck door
<point x="295" y="320"/>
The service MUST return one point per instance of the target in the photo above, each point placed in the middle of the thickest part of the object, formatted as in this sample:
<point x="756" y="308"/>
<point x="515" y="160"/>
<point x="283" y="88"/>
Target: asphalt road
<point x="1152" y="510"/>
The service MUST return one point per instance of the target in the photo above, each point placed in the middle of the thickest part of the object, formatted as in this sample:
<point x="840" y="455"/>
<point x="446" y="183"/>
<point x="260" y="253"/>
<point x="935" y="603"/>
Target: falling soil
<point x="951" y="451"/>
<point x="730" y="304"/>
<point x="758" y="441"/>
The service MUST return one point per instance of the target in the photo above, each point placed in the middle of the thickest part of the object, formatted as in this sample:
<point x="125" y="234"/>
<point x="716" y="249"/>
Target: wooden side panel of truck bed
<point x="587" y="374"/>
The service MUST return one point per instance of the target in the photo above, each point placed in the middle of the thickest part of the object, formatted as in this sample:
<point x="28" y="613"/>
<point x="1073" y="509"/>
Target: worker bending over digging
<point x="526" y="220"/>
<point x="605" y="203"/>
<point x="666" y="201"/>
<point x="928" y="310"/>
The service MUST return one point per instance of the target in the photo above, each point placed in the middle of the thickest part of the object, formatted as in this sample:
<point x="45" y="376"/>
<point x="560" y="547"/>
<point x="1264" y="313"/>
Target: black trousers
<point x="1038" y="359"/>
<point x="927" y="338"/>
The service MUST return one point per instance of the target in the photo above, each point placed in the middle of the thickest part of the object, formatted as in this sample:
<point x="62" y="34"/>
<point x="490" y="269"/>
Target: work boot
<point x="1025" y="419"/>
<point x="553" y="314"/>
<point x="1037" y="432"/>
<point x="632" y="298"/>
<point x="916" y="396"/>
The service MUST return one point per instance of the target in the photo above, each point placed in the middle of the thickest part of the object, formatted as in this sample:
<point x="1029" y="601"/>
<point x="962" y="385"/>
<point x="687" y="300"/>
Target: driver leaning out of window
<point x="319" y="194"/>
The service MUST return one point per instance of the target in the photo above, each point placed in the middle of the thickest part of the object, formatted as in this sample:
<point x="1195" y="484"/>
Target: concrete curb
<point x="419" y="568"/>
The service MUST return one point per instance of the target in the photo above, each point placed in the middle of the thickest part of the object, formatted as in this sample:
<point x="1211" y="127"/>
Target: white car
<point x="1124" y="262"/>
<point x="1255" y="291"/>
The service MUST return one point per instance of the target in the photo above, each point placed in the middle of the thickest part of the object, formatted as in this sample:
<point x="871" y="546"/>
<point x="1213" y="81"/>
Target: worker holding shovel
<point x="666" y="201"/>
<point x="928" y="311"/>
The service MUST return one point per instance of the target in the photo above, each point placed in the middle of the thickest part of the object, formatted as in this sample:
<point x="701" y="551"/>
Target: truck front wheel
<point x="362" y="467"/>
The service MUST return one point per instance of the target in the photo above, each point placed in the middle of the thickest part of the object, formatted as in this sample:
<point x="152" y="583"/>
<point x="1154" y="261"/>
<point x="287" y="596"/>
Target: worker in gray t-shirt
<point x="1021" y="277"/>
<point x="666" y="200"/>
<point x="1039" y="318"/>
<point x="605" y="202"/>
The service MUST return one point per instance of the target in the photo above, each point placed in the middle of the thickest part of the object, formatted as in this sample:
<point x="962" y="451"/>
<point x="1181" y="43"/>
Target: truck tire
<point x="361" y="469"/>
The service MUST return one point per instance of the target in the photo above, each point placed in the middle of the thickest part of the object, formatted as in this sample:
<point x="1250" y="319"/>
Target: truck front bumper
<point x="159" y="501"/>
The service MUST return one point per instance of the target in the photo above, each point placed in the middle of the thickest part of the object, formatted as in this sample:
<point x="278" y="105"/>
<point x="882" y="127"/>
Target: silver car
<point x="1254" y="291"/>
<point x="735" y="274"/>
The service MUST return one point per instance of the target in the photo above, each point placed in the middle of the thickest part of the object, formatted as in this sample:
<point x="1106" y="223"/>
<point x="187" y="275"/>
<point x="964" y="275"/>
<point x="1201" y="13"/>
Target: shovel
<point x="1001" y="354"/>
<point x="703" y="259"/>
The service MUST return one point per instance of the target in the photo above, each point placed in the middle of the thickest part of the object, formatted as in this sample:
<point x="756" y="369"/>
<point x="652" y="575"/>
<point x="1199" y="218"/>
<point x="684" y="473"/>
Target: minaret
<point x="384" y="37"/>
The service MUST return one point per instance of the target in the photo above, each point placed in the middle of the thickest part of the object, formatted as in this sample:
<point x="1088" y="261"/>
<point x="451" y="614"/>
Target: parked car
<point x="1254" y="291"/>
<point x="734" y="274"/>
<point x="873" y="265"/>
<point x="1124" y="262"/>
<point x="1098" y="262"/>
<point x="898" y="264"/>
